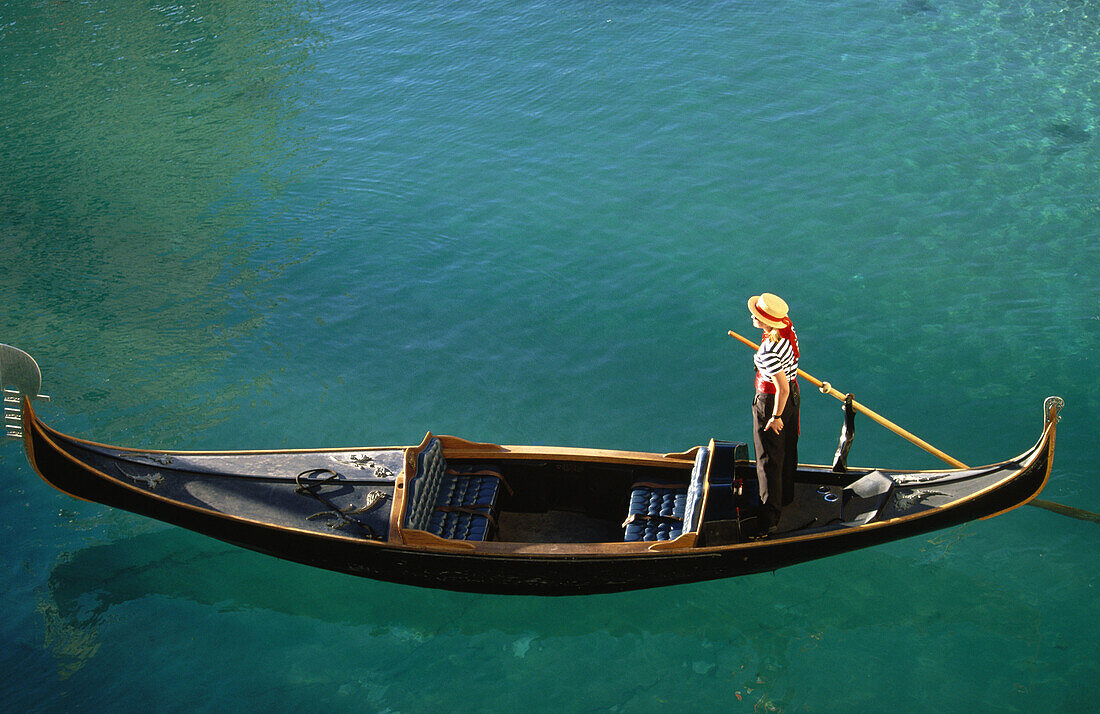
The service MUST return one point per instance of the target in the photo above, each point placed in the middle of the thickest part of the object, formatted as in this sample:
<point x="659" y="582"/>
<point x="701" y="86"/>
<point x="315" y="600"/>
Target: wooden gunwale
<point x="662" y="549"/>
<point x="480" y="450"/>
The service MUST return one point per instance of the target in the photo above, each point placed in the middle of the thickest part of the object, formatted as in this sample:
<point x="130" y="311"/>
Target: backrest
<point x="424" y="488"/>
<point x="693" y="507"/>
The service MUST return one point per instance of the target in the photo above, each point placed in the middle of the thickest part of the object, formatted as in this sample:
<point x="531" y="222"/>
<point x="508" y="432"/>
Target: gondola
<point x="531" y="520"/>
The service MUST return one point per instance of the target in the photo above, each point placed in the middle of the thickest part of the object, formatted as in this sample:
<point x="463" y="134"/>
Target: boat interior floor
<point x="556" y="527"/>
<point x="814" y="507"/>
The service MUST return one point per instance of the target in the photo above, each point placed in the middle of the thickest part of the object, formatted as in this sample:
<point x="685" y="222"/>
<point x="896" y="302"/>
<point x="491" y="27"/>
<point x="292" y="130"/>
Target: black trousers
<point x="776" y="454"/>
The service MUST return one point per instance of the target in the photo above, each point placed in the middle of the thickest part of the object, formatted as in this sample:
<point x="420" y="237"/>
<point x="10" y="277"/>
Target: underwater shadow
<point x="1062" y="137"/>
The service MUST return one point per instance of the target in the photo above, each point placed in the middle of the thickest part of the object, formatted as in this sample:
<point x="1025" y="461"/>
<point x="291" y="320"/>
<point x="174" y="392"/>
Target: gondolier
<point x="775" y="406"/>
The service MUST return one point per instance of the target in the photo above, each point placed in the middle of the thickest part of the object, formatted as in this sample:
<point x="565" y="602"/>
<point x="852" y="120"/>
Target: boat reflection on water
<point x="887" y="591"/>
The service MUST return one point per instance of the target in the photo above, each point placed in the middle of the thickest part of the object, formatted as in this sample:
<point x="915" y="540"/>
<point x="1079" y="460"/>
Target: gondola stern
<point x="1043" y="450"/>
<point x="40" y="446"/>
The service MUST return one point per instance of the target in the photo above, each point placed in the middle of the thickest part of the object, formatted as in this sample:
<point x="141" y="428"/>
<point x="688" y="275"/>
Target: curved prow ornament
<point x="1051" y="406"/>
<point x="20" y="377"/>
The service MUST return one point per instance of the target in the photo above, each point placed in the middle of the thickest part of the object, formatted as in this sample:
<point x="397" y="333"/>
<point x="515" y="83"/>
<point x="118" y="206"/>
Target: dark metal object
<point x="847" y="434"/>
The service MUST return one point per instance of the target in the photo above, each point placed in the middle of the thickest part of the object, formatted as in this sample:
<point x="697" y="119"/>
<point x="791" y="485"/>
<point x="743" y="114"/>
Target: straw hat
<point x="769" y="309"/>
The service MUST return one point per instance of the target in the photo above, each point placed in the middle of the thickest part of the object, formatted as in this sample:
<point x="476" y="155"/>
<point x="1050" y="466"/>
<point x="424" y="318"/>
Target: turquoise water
<point x="247" y="225"/>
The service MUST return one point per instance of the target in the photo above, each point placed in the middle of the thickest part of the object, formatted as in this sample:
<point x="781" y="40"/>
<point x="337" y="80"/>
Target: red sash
<point x="765" y="385"/>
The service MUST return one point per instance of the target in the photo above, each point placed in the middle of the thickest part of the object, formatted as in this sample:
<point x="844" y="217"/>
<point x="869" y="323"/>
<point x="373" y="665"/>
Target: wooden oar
<point x="826" y="388"/>
<point x="1078" y="513"/>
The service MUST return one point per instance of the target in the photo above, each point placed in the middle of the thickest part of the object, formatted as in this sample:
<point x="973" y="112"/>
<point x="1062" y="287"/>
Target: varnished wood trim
<point x="473" y="449"/>
<point x="454" y="443"/>
<point x="550" y="550"/>
<point x="400" y="488"/>
<point x="418" y="538"/>
<point x="706" y="483"/>
<point x="560" y="453"/>
<point x="688" y="455"/>
<point x="684" y="540"/>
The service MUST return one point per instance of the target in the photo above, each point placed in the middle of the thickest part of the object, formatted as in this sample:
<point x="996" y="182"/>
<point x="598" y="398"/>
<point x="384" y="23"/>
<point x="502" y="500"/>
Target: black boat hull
<point x="573" y="571"/>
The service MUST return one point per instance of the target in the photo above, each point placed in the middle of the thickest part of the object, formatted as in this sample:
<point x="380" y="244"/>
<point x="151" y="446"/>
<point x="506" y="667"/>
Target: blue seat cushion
<point x="656" y="512"/>
<point x="465" y="507"/>
<point x="470" y="486"/>
<point x="461" y="523"/>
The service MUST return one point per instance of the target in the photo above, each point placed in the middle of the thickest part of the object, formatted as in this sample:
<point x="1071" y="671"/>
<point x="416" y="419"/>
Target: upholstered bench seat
<point x="664" y="511"/>
<point x="466" y="506"/>
<point x="452" y="502"/>
<point x="656" y="512"/>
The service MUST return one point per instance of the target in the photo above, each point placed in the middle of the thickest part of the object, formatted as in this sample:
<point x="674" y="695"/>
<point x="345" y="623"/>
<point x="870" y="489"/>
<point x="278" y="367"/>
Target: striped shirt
<point x="773" y="357"/>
